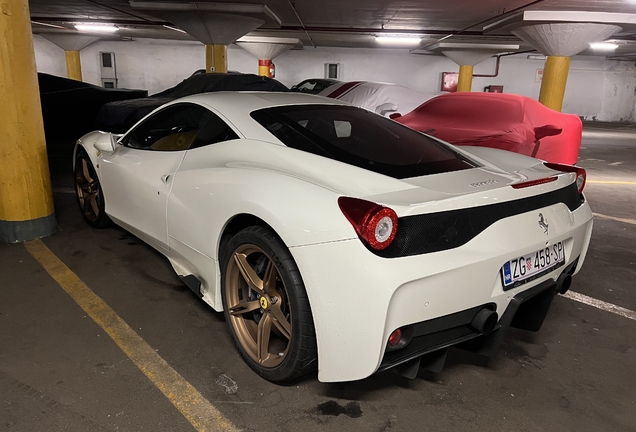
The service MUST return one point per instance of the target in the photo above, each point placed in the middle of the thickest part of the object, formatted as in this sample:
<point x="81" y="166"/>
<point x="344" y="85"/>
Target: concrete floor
<point x="60" y="372"/>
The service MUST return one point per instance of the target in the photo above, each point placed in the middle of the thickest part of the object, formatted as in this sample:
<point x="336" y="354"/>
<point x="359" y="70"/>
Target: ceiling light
<point x="398" y="39"/>
<point x="604" y="46"/>
<point x="536" y="57"/>
<point x="174" y="28"/>
<point x="96" y="27"/>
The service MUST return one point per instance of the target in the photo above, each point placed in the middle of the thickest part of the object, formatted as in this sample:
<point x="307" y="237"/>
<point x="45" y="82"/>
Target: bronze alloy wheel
<point x="266" y="305"/>
<point x="89" y="192"/>
<point x="258" y="305"/>
<point x="87" y="188"/>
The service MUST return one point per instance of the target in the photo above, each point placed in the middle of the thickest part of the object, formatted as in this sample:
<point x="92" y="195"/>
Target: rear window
<point x="358" y="137"/>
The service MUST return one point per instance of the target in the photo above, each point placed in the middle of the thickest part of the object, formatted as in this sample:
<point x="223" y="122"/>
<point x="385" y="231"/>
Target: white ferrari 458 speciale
<point x="334" y="238"/>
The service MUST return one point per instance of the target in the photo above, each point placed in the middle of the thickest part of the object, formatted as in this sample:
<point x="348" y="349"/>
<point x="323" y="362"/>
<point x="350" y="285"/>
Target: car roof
<point x="236" y="107"/>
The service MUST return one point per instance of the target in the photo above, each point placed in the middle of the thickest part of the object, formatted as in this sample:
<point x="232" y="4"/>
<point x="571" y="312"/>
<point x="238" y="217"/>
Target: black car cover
<point x="118" y="117"/>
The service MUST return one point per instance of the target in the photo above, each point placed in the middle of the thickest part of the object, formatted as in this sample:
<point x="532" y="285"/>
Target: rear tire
<point x="88" y="191"/>
<point x="266" y="306"/>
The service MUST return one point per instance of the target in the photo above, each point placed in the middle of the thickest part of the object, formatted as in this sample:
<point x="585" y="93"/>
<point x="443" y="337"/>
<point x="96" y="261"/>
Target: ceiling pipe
<point x="496" y="74"/>
<point x="281" y="28"/>
<point x="117" y="10"/>
<point x="293" y="6"/>
<point x="372" y="30"/>
<point x="225" y="8"/>
<point x="464" y="30"/>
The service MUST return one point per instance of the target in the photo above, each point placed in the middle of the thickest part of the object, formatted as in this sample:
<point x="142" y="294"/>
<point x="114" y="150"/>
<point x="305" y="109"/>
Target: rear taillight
<point x="376" y="225"/>
<point x="581" y="175"/>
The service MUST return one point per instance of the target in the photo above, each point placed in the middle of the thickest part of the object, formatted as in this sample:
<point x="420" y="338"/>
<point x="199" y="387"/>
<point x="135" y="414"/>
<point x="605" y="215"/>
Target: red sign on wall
<point x="449" y="81"/>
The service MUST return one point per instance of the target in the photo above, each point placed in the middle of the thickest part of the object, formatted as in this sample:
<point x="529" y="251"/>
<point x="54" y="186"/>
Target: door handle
<point x="165" y="178"/>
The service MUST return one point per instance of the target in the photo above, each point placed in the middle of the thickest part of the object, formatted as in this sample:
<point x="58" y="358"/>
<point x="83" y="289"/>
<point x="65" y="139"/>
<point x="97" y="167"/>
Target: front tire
<point x="88" y="191"/>
<point x="266" y="306"/>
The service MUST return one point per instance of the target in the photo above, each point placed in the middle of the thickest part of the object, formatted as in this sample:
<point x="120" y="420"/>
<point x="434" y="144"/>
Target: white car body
<point x="181" y="201"/>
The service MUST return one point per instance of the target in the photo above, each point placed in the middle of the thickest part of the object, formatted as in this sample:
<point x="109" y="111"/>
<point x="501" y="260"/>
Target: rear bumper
<point x="358" y="299"/>
<point x="427" y="341"/>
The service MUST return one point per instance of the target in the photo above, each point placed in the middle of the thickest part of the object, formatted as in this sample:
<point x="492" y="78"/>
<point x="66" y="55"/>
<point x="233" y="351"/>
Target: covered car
<point x="118" y="117"/>
<point x="335" y="239"/>
<point x="505" y="121"/>
<point x="381" y="98"/>
<point x="314" y="85"/>
<point x="70" y="107"/>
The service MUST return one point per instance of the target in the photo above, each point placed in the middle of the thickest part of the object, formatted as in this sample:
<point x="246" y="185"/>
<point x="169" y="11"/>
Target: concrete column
<point x="72" y="45"/>
<point x="555" y="76"/>
<point x="265" y="49"/>
<point x="220" y="58"/>
<point x="263" y="67"/>
<point x="73" y="65"/>
<point x="559" y="42"/>
<point x="209" y="58"/>
<point x="212" y="23"/>
<point x="26" y="199"/>
<point x="467" y="55"/>
<point x="465" y="81"/>
<point x="215" y="58"/>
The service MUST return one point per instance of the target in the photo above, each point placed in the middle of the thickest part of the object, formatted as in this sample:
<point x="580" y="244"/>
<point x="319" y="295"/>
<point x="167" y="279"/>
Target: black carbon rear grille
<point x="421" y="345"/>
<point x="436" y="232"/>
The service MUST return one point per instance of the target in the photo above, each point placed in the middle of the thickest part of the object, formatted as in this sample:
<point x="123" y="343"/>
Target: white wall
<point x="597" y="89"/>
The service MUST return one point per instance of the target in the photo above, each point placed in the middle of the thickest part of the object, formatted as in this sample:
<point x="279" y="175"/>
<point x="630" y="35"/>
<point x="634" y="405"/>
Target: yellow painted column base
<point x="555" y="77"/>
<point x="73" y="65"/>
<point x="465" y="81"/>
<point x="220" y="58"/>
<point x="209" y="58"/>
<point x="263" y="67"/>
<point x="215" y="58"/>
<point x="26" y="199"/>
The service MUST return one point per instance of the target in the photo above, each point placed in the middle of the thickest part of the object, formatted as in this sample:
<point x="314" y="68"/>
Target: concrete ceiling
<point x="351" y="23"/>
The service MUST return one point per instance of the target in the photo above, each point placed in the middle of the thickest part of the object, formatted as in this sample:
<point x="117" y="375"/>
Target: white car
<point x="334" y="238"/>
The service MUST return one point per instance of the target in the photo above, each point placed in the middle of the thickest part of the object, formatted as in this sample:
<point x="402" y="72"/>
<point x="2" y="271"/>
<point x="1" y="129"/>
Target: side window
<point x="214" y="131"/>
<point x="171" y="129"/>
<point x="307" y="86"/>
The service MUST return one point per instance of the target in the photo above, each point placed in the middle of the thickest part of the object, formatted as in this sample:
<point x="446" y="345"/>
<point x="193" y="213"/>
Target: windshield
<point x="358" y="137"/>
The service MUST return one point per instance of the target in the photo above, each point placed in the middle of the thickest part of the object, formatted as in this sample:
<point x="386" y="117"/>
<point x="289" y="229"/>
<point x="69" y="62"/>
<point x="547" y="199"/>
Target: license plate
<point x="531" y="266"/>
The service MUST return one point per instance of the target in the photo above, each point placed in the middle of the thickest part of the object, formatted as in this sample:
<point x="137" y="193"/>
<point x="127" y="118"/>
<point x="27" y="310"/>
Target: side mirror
<point x="386" y="108"/>
<point x="546" y="131"/>
<point x="106" y="143"/>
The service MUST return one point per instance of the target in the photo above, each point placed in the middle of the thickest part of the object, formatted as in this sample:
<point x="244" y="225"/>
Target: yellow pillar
<point x="209" y="58"/>
<point x="465" y="81"/>
<point x="263" y="67"/>
<point x="215" y="58"/>
<point x="220" y="58"/>
<point x="26" y="199"/>
<point x="73" y="65"/>
<point x="555" y="76"/>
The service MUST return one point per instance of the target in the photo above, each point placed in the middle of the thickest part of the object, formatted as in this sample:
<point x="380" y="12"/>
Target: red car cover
<point x="505" y="121"/>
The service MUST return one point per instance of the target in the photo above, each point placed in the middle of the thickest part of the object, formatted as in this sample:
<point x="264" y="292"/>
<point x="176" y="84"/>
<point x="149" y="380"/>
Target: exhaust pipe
<point x="485" y="321"/>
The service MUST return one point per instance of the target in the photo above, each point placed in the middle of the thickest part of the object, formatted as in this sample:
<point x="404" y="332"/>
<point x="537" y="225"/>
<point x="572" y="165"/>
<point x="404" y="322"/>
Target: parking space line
<point x="625" y="220"/>
<point x="194" y="407"/>
<point x="600" y="304"/>
<point x="614" y="182"/>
